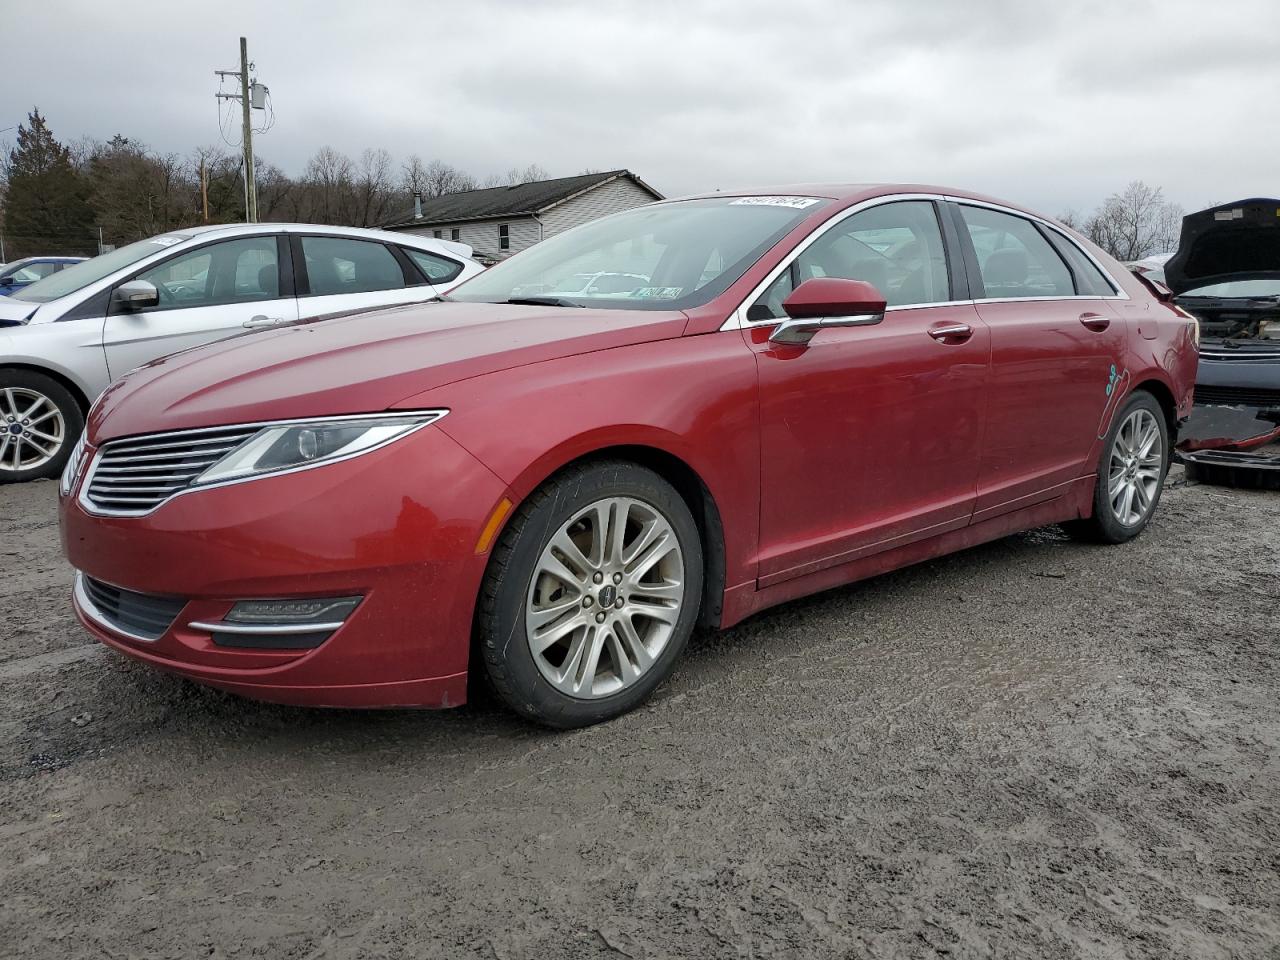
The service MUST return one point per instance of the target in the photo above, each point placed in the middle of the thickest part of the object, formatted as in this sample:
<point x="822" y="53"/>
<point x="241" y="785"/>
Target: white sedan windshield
<point x="667" y="256"/>
<point x="80" y="275"/>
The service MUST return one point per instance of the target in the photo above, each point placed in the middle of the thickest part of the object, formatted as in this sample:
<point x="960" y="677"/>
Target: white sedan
<point x="63" y="339"/>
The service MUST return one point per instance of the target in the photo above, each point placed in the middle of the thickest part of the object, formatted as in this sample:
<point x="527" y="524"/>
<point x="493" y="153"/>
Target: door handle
<point x="260" y="321"/>
<point x="1095" y="321"/>
<point x="951" y="332"/>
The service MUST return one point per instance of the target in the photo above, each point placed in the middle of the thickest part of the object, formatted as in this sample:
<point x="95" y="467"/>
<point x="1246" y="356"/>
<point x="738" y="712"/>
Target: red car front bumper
<point x="398" y="527"/>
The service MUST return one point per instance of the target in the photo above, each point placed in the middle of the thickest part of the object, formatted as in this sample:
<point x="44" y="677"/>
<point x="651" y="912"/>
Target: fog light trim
<point x="284" y="624"/>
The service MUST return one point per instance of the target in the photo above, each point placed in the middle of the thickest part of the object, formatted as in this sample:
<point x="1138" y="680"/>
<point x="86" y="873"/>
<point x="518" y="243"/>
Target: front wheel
<point x="591" y="594"/>
<point x="39" y="423"/>
<point x="1131" y="473"/>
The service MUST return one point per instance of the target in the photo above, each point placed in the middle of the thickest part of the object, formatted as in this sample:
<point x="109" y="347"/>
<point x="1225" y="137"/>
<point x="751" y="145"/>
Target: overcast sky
<point x="1053" y="104"/>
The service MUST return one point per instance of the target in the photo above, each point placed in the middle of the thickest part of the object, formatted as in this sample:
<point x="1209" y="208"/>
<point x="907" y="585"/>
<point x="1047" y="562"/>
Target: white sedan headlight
<point x="311" y="443"/>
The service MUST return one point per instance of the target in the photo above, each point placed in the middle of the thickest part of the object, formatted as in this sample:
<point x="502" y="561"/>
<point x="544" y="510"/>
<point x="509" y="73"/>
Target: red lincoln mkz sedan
<point x="756" y="396"/>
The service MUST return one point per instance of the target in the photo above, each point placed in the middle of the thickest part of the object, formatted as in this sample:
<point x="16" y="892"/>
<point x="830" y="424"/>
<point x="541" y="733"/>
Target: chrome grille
<point x="135" y="475"/>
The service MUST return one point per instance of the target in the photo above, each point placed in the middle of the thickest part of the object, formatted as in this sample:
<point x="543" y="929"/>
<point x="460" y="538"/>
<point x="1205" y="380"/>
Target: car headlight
<point x="301" y="444"/>
<point x="71" y="472"/>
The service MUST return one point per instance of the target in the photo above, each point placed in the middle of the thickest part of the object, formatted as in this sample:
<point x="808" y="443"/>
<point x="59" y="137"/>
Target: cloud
<point x="1054" y="104"/>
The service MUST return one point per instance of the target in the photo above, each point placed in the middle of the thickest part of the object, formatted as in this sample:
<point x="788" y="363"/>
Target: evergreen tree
<point x="46" y="208"/>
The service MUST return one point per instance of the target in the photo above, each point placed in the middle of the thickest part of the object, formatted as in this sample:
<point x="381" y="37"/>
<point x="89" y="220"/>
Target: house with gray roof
<point x="499" y="221"/>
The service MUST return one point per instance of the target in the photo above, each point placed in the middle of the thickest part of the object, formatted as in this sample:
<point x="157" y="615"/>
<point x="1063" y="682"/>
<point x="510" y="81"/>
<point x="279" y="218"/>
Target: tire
<point x="40" y="422"/>
<point x="595" y="639"/>
<point x="1122" y="465"/>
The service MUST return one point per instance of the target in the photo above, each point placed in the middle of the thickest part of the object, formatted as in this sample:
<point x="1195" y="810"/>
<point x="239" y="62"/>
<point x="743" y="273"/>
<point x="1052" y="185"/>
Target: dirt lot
<point x="1031" y="749"/>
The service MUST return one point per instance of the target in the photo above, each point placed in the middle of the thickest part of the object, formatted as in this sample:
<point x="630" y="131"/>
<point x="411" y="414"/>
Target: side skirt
<point x="745" y="599"/>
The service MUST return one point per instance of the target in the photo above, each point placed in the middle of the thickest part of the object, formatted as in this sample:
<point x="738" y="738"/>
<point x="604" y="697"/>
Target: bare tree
<point x="374" y="190"/>
<point x="433" y="179"/>
<point x="413" y="176"/>
<point x="1135" y="223"/>
<point x="516" y="176"/>
<point x="1072" y="219"/>
<point x="329" y="181"/>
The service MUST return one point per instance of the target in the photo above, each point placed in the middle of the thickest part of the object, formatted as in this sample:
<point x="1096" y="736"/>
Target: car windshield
<point x="80" y="275"/>
<point x="1237" y="289"/>
<point x="16" y="270"/>
<point x="667" y="256"/>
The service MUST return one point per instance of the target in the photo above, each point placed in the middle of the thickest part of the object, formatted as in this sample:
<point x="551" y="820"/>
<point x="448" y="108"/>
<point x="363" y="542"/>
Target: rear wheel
<point x="591" y="595"/>
<point x="39" y="423"/>
<point x="1131" y="472"/>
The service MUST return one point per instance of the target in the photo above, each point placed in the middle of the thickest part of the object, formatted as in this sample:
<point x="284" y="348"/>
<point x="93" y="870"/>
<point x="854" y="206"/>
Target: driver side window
<point x="896" y="247"/>
<point x="234" y="271"/>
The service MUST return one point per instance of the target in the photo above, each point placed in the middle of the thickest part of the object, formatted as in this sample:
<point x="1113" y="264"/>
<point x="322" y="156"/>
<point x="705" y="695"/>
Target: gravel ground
<point x="1030" y="749"/>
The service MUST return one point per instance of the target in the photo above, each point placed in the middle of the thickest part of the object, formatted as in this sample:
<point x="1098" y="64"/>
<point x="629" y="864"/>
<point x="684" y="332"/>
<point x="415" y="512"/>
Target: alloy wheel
<point x="1135" y="468"/>
<point x="605" y="598"/>
<point x="32" y="429"/>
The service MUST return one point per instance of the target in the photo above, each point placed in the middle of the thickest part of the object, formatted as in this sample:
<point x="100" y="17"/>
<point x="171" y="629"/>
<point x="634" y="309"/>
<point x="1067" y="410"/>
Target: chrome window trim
<point x="91" y="611"/>
<point x="737" y="319"/>
<point x="1048" y="225"/>
<point x="82" y="496"/>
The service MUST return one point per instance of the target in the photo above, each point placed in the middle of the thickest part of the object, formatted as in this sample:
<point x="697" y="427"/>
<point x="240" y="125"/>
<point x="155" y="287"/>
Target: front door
<point x="1056" y="350"/>
<point x="206" y="294"/>
<point x="869" y="435"/>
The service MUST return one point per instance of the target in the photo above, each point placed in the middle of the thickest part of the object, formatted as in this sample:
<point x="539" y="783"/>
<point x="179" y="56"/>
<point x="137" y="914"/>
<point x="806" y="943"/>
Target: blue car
<point x="14" y="276"/>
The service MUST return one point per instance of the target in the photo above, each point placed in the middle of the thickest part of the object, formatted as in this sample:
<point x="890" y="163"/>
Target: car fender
<point x="691" y="398"/>
<point x="70" y="351"/>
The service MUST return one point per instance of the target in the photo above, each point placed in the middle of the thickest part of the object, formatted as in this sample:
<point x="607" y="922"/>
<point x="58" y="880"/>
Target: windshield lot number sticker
<point x="797" y="203"/>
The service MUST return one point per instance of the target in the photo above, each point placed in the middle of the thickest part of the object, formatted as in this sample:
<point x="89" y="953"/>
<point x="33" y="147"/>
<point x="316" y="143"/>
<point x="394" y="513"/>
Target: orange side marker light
<point x="491" y="528"/>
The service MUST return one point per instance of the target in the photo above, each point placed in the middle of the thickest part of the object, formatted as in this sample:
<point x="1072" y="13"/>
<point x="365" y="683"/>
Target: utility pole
<point x="247" y="103"/>
<point x="249" y="177"/>
<point x="204" y="189"/>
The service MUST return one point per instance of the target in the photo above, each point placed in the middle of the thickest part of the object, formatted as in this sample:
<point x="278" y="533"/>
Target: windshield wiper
<point x="542" y="302"/>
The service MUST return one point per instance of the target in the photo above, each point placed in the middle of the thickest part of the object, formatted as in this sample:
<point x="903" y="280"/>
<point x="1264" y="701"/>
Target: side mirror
<point x="136" y="295"/>
<point x="828" y="302"/>
<point x="6" y="281"/>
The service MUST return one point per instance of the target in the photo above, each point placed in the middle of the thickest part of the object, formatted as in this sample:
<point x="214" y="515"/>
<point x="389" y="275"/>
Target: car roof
<point x="848" y="193"/>
<point x="385" y="236"/>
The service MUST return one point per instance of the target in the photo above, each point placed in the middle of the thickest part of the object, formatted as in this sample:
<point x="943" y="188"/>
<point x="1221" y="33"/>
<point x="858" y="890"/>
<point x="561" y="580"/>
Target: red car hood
<point x="362" y="363"/>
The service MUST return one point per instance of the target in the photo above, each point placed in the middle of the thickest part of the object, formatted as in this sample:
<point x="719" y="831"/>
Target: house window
<point x="504" y="237"/>
<point x="455" y="234"/>
<point x="436" y="234"/>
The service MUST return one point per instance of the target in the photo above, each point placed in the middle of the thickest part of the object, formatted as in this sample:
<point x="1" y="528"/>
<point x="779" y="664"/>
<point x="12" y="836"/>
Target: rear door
<point x="337" y="274"/>
<point x="869" y="435"/>
<point x="1056" y="357"/>
<point x="206" y="293"/>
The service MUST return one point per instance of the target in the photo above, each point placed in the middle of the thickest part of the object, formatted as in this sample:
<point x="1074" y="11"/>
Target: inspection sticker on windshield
<point x="658" y="293"/>
<point x="798" y="203"/>
<point x="166" y="241"/>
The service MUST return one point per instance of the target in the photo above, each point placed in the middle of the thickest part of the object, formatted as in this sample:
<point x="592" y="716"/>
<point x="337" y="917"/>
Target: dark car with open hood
<point x="1226" y="273"/>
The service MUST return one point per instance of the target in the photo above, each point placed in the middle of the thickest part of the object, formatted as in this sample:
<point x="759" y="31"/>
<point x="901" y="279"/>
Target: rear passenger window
<point x="437" y="269"/>
<point x="342" y="265"/>
<point x="1014" y="258"/>
<point x="1090" y="281"/>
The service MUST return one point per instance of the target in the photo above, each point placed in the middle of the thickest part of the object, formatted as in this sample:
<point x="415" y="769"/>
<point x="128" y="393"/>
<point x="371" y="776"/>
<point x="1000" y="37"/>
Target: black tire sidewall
<point x="1108" y="526"/>
<point x="72" y="417"/>
<point x="503" y="640"/>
